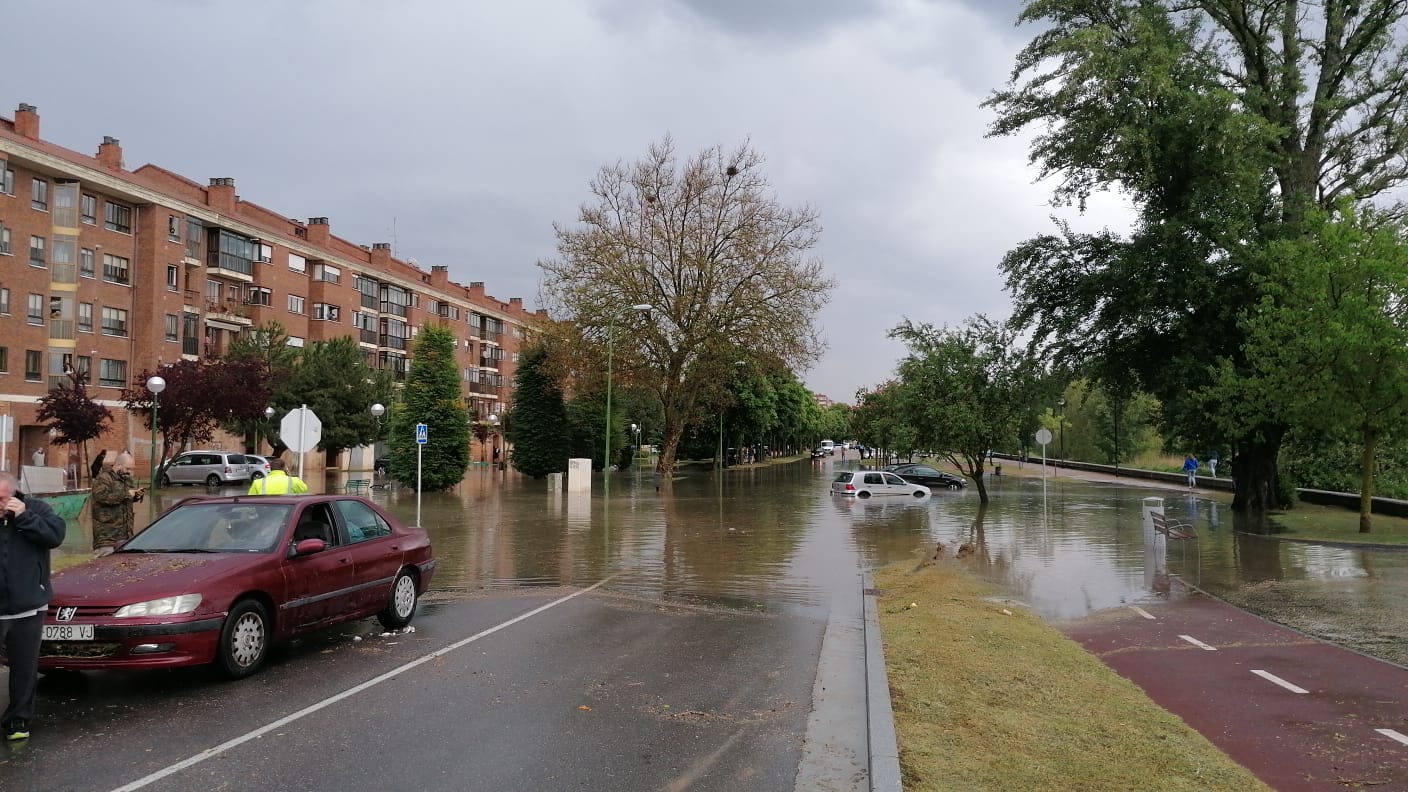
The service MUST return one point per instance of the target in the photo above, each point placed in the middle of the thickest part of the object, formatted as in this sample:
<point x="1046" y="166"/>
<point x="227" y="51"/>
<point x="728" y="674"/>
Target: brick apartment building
<point x="113" y="272"/>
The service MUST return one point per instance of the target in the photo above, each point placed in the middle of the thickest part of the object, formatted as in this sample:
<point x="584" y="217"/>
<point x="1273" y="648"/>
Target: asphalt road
<point x="597" y="690"/>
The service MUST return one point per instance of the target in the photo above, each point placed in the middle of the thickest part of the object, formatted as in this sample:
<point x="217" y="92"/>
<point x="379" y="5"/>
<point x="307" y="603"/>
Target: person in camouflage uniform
<point x="114" y="492"/>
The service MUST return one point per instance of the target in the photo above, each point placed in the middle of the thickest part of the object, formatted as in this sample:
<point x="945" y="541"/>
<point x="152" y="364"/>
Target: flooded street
<point x="773" y="540"/>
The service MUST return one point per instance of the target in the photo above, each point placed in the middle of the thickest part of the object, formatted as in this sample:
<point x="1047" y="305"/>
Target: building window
<point x="295" y="304"/>
<point x="5" y="302"/>
<point x="39" y="194"/>
<point x="85" y="263"/>
<point x="173" y="277"/>
<point x="4" y="241"/>
<point x="33" y="361"/>
<point x="7" y="178"/>
<point x="85" y="317"/>
<point x="297" y="263"/>
<point x="266" y="253"/>
<point x="115" y="322"/>
<point x="173" y="327"/>
<point x="232" y="252"/>
<point x="89" y="209"/>
<point x="4" y="360"/>
<point x="112" y="373"/>
<point x="173" y="228"/>
<point x="259" y="295"/>
<point x="36" y="252"/>
<point x="119" y="218"/>
<point x="115" y="269"/>
<point x="195" y="239"/>
<point x="34" y="311"/>
<point x="66" y="203"/>
<point x="328" y="313"/>
<point x="326" y="272"/>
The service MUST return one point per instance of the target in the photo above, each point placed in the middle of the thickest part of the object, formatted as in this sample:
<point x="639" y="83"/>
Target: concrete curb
<point x="879" y="714"/>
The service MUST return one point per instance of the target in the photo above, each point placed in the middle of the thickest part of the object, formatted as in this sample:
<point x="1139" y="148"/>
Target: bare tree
<point x="721" y="263"/>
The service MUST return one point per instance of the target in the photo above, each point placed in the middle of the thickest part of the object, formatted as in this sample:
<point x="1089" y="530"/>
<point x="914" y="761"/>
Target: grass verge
<point x="1313" y="522"/>
<point x="988" y="701"/>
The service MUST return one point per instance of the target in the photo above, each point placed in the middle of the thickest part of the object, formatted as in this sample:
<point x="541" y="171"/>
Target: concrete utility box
<point x="579" y="475"/>
<point x="554" y="482"/>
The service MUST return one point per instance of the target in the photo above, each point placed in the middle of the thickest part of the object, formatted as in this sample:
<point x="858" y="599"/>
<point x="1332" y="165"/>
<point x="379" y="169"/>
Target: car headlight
<point x="166" y="606"/>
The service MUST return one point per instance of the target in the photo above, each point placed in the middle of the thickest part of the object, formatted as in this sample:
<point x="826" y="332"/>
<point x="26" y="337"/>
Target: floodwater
<point x="774" y="539"/>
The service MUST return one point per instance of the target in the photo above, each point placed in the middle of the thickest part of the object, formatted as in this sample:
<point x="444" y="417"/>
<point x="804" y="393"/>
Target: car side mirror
<point x="309" y="546"/>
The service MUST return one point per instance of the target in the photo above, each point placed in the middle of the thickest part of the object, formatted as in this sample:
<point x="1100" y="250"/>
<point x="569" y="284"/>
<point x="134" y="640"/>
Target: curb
<point x="879" y="714"/>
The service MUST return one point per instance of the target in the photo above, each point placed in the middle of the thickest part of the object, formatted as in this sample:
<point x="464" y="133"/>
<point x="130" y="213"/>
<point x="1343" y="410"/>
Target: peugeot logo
<point x="67" y="613"/>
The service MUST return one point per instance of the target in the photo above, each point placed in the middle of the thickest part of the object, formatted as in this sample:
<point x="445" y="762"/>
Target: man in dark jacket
<point x="29" y="529"/>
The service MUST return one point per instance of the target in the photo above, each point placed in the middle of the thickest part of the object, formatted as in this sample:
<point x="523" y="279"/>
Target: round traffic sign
<point x="1043" y="436"/>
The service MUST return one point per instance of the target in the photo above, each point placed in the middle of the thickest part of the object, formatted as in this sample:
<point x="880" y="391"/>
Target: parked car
<point x="214" y="468"/>
<point x="218" y="580"/>
<point x="865" y="483"/>
<point x="258" y="466"/>
<point x="929" y="476"/>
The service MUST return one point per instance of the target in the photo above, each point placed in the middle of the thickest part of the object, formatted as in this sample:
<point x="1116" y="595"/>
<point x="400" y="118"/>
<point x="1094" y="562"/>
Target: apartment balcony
<point x="368" y="336"/>
<point x="391" y="342"/>
<point x="190" y="345"/>
<point x="484" y="388"/>
<point x="229" y="315"/>
<point x="61" y="329"/>
<point x="65" y="272"/>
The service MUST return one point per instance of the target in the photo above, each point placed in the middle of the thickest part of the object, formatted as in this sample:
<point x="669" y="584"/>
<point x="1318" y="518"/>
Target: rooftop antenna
<point x="394" y="246"/>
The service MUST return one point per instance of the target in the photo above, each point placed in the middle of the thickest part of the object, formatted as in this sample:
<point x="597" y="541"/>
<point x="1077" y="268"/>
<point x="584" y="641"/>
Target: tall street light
<point x="268" y="416"/>
<point x="1061" y="415"/>
<point x="156" y="385"/>
<point x="610" y="350"/>
<point x="493" y="423"/>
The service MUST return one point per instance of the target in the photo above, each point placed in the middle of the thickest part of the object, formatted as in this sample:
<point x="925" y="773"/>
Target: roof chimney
<point x="110" y="153"/>
<point x="440" y="276"/>
<point x="27" y="121"/>
<point x="220" y="196"/>
<point x="319" y="231"/>
<point x="381" y="254"/>
<point x="516" y="302"/>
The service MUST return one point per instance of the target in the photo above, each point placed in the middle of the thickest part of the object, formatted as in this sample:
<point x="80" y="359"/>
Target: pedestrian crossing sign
<point x="422" y="433"/>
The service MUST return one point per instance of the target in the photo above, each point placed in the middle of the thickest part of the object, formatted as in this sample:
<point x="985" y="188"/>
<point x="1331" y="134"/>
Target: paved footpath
<point x="1300" y="713"/>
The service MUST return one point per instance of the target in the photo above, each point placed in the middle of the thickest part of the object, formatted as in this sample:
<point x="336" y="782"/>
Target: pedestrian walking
<point x="29" y="529"/>
<point x="114" y="492"/>
<point x="1190" y="466"/>
<point x="278" y="482"/>
<point x="1212" y="464"/>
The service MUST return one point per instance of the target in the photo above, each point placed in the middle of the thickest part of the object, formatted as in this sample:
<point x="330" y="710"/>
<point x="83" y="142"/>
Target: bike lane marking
<point x="1393" y="735"/>
<point x="348" y="693"/>
<point x="1270" y="677"/>
<point x="1190" y="639"/>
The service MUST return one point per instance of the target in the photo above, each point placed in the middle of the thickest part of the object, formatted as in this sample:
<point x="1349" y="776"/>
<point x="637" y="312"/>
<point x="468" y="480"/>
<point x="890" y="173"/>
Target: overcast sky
<point x="472" y="126"/>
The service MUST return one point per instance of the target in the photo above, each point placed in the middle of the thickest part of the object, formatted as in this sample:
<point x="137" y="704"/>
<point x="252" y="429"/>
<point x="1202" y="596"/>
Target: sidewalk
<point x="1297" y="712"/>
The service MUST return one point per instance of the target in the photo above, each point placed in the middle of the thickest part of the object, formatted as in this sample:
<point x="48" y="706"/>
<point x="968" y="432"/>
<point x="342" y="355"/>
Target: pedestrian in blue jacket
<point x="1190" y="466"/>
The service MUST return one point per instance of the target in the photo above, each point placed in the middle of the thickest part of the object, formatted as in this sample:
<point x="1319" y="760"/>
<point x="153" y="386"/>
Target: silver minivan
<point x="212" y="468"/>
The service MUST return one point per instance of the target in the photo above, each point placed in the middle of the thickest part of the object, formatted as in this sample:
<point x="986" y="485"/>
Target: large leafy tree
<point x="431" y="396"/>
<point x="200" y="396"/>
<point x="1224" y="122"/>
<point x="965" y="390"/>
<point x="268" y="345"/>
<point x="1329" y="339"/>
<point x="539" y="417"/>
<point x="72" y="415"/>
<point x="336" y="383"/>
<point x="718" y="259"/>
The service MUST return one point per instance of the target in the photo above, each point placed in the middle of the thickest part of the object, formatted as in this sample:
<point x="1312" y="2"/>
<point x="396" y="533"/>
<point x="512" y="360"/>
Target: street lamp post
<point x="1061" y="416"/>
<point x="156" y="385"/>
<point x="378" y="410"/>
<point x="610" y="351"/>
<point x="493" y="424"/>
<point x="268" y="416"/>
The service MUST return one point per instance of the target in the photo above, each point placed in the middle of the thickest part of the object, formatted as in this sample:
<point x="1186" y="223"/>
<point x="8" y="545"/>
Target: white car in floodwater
<point x="865" y="483"/>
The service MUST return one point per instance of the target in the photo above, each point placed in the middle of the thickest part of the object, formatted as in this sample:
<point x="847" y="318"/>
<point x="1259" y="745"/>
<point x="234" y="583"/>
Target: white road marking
<point x="352" y="691"/>
<point x="1269" y="677"/>
<point x="1393" y="735"/>
<point x="1141" y="611"/>
<point x="1190" y="639"/>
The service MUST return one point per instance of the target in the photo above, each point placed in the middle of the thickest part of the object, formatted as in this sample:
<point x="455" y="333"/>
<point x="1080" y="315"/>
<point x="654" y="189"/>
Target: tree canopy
<point x="431" y="396"/>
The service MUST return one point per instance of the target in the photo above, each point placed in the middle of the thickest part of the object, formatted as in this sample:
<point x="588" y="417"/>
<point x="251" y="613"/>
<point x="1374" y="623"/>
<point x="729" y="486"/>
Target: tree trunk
<point x="669" y="451"/>
<point x="1255" y="473"/>
<point x="1366" y="480"/>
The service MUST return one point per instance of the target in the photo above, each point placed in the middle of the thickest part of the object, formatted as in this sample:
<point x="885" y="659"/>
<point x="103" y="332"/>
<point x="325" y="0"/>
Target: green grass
<point x="990" y="701"/>
<point x="1312" y="522"/>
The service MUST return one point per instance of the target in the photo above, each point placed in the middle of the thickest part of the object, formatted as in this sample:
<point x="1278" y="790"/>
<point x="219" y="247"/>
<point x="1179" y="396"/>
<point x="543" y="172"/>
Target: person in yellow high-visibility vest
<point x="278" y="482"/>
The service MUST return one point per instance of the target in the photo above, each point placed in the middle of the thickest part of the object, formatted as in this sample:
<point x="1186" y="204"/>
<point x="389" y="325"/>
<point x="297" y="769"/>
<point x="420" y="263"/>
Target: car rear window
<point x="843" y="478"/>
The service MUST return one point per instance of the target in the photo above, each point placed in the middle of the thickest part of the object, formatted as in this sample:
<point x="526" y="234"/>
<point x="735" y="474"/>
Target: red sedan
<point x="218" y="580"/>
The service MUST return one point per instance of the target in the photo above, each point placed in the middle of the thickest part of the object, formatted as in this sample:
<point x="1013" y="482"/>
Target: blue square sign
<point x="422" y="433"/>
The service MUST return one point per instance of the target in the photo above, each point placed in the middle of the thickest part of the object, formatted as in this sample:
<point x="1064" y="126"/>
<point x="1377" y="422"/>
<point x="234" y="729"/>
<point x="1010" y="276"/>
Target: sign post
<point x="1043" y="436"/>
<point x="422" y="437"/>
<point x="301" y="430"/>
<point x="7" y="433"/>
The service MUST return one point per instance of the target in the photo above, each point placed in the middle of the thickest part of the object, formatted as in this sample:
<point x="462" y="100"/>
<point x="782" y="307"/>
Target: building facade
<point x="111" y="272"/>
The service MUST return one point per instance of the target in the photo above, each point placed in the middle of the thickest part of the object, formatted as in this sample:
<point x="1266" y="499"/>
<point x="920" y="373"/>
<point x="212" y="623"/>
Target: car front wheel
<point x="165" y="480"/>
<point x="244" y="641"/>
<point x="402" y="606"/>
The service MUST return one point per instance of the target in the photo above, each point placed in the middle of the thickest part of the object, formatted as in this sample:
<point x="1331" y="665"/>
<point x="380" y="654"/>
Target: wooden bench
<point x="357" y="486"/>
<point x="1173" y="530"/>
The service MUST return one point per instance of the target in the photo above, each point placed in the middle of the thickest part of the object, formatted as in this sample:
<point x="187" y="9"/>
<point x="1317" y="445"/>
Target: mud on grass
<point x="988" y="701"/>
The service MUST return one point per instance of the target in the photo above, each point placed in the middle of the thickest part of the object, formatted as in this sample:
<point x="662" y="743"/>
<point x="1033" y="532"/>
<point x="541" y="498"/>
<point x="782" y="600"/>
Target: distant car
<point x="928" y="476"/>
<point x="829" y="446"/>
<point x="819" y="452"/>
<point x="868" y="483"/>
<point x="218" y="580"/>
<point x="258" y="466"/>
<point x="212" y="468"/>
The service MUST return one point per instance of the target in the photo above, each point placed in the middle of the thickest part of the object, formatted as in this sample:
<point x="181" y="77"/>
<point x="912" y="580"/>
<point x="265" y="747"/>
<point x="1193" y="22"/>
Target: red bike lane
<point x="1299" y="713"/>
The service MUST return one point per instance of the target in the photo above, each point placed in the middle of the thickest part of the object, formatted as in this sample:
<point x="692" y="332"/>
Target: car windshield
<point x="214" y="528"/>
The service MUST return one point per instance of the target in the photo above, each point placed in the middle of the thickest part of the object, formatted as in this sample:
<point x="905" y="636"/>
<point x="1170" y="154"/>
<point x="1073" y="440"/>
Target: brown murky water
<point x="774" y="539"/>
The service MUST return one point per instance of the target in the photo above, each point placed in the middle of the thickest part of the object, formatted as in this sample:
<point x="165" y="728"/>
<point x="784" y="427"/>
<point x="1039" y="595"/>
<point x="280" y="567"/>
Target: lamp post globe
<point x="156" y="385"/>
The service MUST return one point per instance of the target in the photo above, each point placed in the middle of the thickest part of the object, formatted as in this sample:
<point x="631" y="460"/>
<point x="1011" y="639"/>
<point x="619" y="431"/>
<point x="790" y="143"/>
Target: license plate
<point x="68" y="632"/>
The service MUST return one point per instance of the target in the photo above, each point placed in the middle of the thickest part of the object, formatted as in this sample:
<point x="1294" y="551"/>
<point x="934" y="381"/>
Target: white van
<point x="829" y="447"/>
